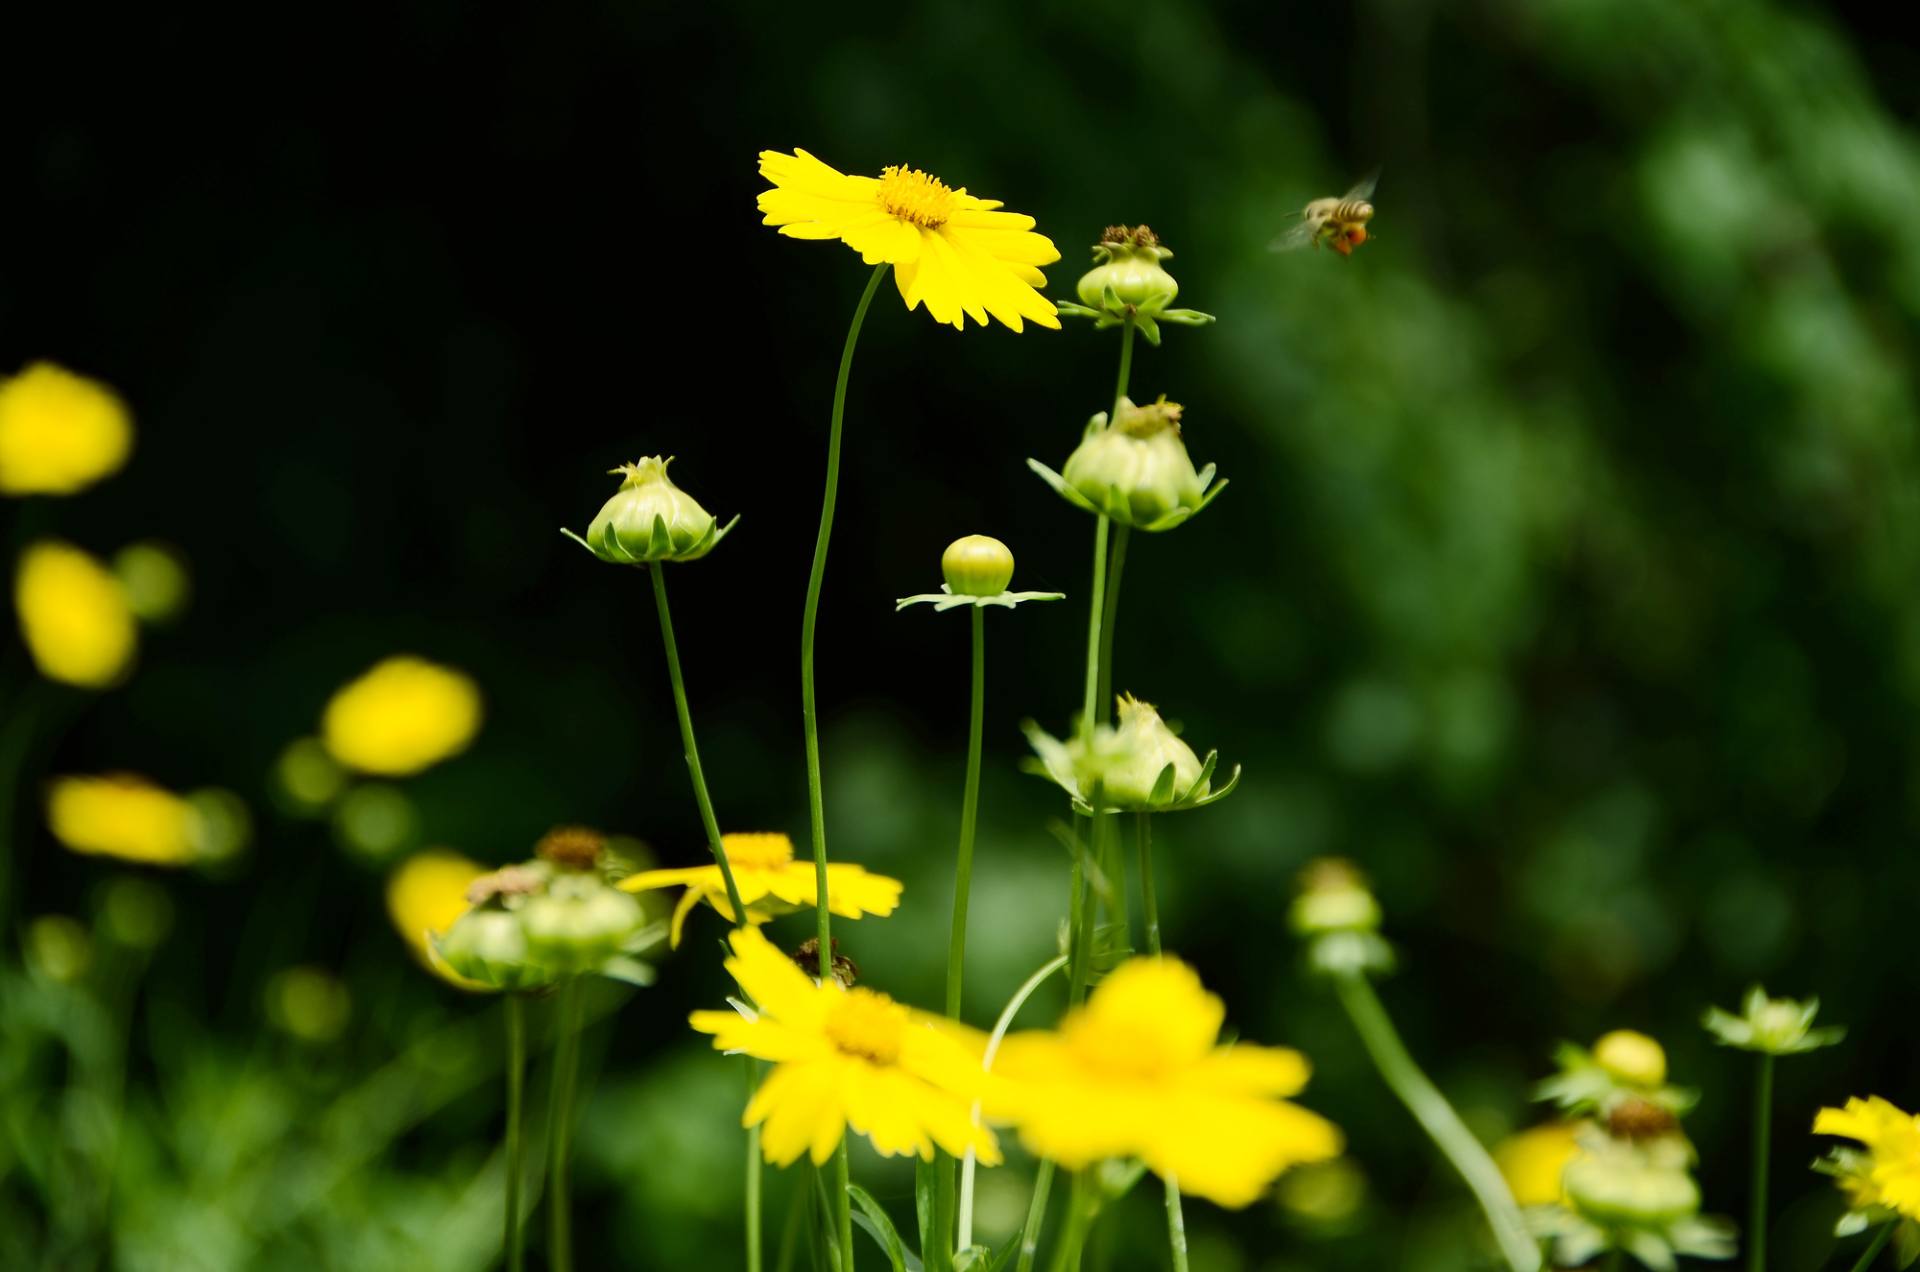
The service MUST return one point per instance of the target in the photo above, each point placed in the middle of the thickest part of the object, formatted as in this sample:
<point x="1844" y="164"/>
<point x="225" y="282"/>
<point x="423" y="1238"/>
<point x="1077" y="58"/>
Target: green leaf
<point x="878" y="1226"/>
<point x="925" y="1180"/>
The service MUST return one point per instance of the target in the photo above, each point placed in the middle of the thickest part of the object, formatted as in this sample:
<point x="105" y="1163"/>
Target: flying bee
<point x="1340" y="224"/>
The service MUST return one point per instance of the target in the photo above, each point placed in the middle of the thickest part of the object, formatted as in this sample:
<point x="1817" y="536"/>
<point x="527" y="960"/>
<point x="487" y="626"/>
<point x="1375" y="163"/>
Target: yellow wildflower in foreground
<point x="405" y="715"/>
<point x="1891" y="1175"/>
<point x="74" y="616"/>
<point x="424" y="897"/>
<point x="122" y="816"/>
<point x="846" y="1057"/>
<point x="1533" y="1161"/>
<point x="771" y="882"/>
<point x="948" y="249"/>
<point x="1138" y="1072"/>
<point x="59" y="432"/>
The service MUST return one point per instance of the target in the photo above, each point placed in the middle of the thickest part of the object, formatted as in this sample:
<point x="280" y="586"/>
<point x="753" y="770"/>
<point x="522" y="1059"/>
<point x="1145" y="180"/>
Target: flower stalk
<point x="516" y="1012"/>
<point x="566" y="1080"/>
<point x="1875" y="1246"/>
<point x="1762" y="1146"/>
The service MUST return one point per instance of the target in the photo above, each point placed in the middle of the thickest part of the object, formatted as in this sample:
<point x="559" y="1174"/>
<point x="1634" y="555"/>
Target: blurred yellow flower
<point x="846" y="1057"/>
<point x="424" y="897"/>
<point x="122" y="816"/>
<point x="771" y="882"/>
<point x="404" y="715"/>
<point x="1139" y="1072"/>
<point x="948" y="249"/>
<point x="74" y="616"/>
<point x="1533" y="1160"/>
<point x="1890" y="1176"/>
<point x="59" y="432"/>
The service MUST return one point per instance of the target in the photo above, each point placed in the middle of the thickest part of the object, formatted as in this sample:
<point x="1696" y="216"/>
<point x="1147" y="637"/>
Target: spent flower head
<point x="1137" y="764"/>
<point x="977" y="569"/>
<point x="650" y="519"/>
<point x="1135" y="469"/>
<point x="1771" y="1026"/>
<point x="1634" y="1196"/>
<point x="1623" y="1065"/>
<point x="1129" y="282"/>
<point x="1335" y="911"/>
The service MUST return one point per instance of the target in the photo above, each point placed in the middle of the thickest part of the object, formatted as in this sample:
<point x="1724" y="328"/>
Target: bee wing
<point x="1363" y="188"/>
<point x="1295" y="236"/>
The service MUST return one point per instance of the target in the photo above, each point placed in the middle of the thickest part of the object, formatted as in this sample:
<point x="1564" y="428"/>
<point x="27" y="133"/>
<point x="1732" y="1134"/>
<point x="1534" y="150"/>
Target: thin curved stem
<point x="566" y="1080"/>
<point x="1149" y="901"/>
<point x="1436" y="1116"/>
<point x="1879" y="1243"/>
<point x="516" y="1138"/>
<point x="816" y="804"/>
<point x="1036" y="1216"/>
<point x="994" y="1039"/>
<point x="1762" y="1145"/>
<point x="1176" y="1226"/>
<point x="700" y="796"/>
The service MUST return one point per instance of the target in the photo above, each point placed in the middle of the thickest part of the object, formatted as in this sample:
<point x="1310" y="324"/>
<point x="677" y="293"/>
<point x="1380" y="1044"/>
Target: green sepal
<point x="944" y="599"/>
<point x="629" y="970"/>
<point x="1185" y="317"/>
<point x="1148" y="328"/>
<point x="1061" y="487"/>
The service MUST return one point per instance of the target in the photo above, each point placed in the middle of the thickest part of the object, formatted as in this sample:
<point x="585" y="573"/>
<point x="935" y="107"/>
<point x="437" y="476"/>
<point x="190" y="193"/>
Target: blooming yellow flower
<point x="424" y="897"/>
<point x="1533" y="1161"/>
<point x="59" y="432"/>
<point x="1891" y="1176"/>
<point x="1138" y="1071"/>
<point x="771" y="882"/>
<point x="74" y="616"/>
<point x="847" y="1057"/>
<point x="949" y="249"/>
<point x="122" y="816"/>
<point x="404" y="715"/>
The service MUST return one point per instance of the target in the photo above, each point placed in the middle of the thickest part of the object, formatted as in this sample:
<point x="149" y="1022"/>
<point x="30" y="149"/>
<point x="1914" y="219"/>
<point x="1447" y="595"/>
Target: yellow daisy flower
<point x="74" y="616"/>
<point x="123" y="816"/>
<point x="771" y="882"/>
<point x="1532" y="1161"/>
<point x="59" y="432"/>
<point x="404" y="715"/>
<point x="846" y="1058"/>
<point x="1891" y="1177"/>
<point x="1138" y="1071"/>
<point x="954" y="252"/>
<point x="424" y="897"/>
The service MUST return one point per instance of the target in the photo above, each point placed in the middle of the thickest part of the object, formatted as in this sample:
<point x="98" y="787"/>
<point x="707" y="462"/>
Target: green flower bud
<point x="1127" y="261"/>
<point x="650" y="519"/>
<point x="1334" y="897"/>
<point x="1137" y="469"/>
<point x="154" y="577"/>
<point x="1772" y="1026"/>
<point x="579" y="922"/>
<point x="977" y="565"/>
<point x="1145" y="746"/>
<point x="489" y="945"/>
<point x="1617" y="1184"/>
<point x="1632" y="1058"/>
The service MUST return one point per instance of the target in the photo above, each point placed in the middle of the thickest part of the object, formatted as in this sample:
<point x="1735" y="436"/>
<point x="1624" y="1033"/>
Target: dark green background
<point x="1567" y="580"/>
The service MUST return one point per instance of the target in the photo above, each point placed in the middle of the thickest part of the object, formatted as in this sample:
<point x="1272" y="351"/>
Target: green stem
<point x="1762" y="1145"/>
<point x="1090" y="700"/>
<point x="1126" y="370"/>
<point x="700" y="796"/>
<point x="1117" y="563"/>
<point x="1000" y="1027"/>
<point x="1079" y="942"/>
<point x="753" y="1175"/>
<point x="809" y="716"/>
<point x="1080" y="1212"/>
<point x="969" y="813"/>
<point x="1437" y="1118"/>
<point x="566" y="1075"/>
<point x="1176" y="1226"/>
<point x="1143" y="828"/>
<point x="1880" y="1240"/>
<point x="843" y="1210"/>
<point x="516" y="1144"/>
<point x="1036" y="1216"/>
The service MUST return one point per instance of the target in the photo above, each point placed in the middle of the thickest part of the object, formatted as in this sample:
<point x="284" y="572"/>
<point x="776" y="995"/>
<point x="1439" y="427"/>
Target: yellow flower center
<point x="758" y="851"/>
<point x="869" y="1025"/>
<point x="1119" y="1051"/>
<point x="912" y="195"/>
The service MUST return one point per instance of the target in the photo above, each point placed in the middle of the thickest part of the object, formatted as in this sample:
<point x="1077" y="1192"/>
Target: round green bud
<point x="310" y="1003"/>
<point x="1334" y="897"/>
<point x="1143" y="748"/>
<point x="1128" y="260"/>
<point x="1632" y="1058"/>
<point x="650" y="519"/>
<point x="136" y="913"/>
<point x="977" y="565"/>
<point x="489" y="945"/>
<point x="58" y="948"/>
<point x="579" y="923"/>
<point x="1628" y="1187"/>
<point x="154" y="577"/>
<point x="307" y="778"/>
<point x="1136" y="468"/>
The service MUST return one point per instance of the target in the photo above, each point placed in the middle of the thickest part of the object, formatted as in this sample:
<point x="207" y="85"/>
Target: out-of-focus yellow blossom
<point x="1533" y="1161"/>
<point x="1139" y="1072"/>
<point x="955" y="252"/>
<point x="59" y="432"/>
<point x="424" y="897"/>
<point x="74" y="616"/>
<point x="771" y="882"/>
<point x="847" y="1057"/>
<point x="404" y="715"/>
<point x="1890" y="1176"/>
<point x="120" y="815"/>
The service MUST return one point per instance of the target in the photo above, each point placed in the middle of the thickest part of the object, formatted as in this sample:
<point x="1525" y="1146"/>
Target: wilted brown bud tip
<point x="845" y="970"/>
<point x="571" y="847"/>
<point x="1638" y="1119"/>
<point x="507" y="881"/>
<point x="1332" y="874"/>
<point x="1154" y="417"/>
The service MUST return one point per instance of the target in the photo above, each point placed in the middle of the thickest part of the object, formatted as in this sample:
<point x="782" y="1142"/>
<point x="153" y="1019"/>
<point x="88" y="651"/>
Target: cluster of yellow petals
<point x="957" y="254"/>
<point x="847" y="1058"/>
<point x="74" y="616"/>
<point x="424" y="898"/>
<point x="1891" y="1137"/>
<point x="771" y="882"/>
<point x="1534" y="1160"/>
<point x="59" y="432"/>
<point x="123" y="816"/>
<point x="404" y="715"/>
<point x="1139" y="1071"/>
